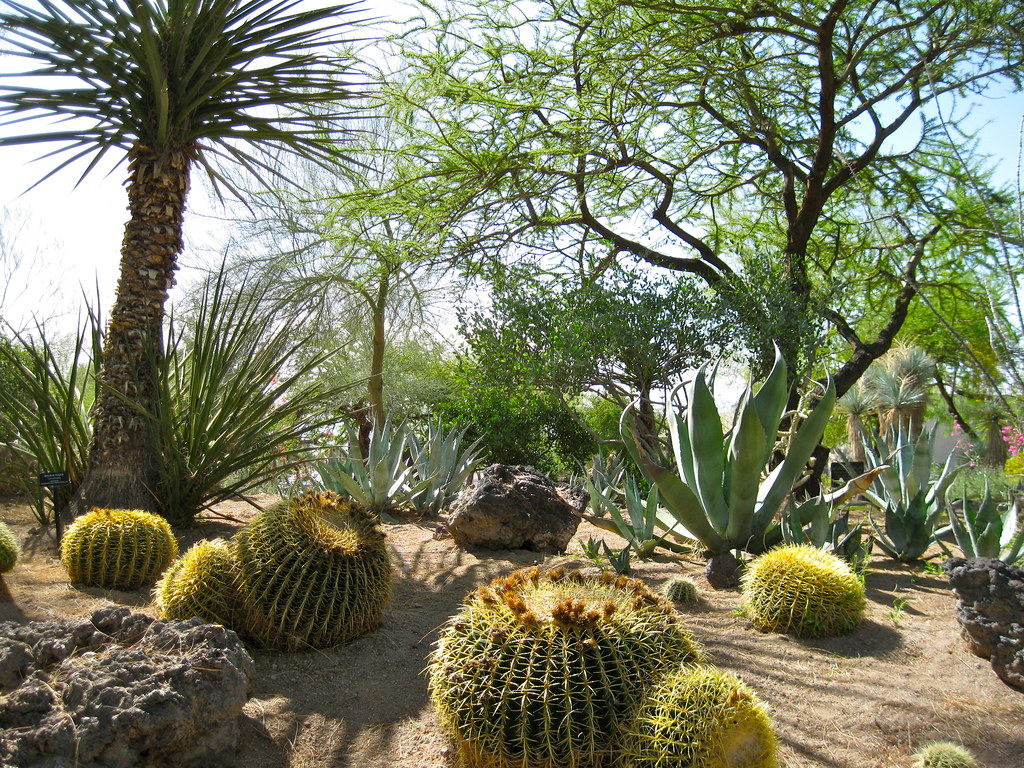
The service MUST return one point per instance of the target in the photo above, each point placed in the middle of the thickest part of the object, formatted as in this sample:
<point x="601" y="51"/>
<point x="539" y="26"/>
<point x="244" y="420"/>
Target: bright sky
<point x="77" y="229"/>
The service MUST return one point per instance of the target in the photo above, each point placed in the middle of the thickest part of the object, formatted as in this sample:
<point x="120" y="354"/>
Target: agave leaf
<point x="705" y="432"/>
<point x="746" y="454"/>
<point x="684" y="506"/>
<point x="770" y="403"/>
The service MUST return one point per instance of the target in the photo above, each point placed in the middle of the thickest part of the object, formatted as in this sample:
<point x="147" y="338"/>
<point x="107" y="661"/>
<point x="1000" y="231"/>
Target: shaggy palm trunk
<point x="123" y="464"/>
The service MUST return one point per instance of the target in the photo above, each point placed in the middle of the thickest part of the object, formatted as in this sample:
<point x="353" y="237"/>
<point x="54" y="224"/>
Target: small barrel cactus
<point x="313" y="573"/>
<point x="540" y="668"/>
<point x="681" y="589"/>
<point x="117" y="548"/>
<point x="804" y="591"/>
<point x="944" y="754"/>
<point x="203" y="583"/>
<point x="699" y="717"/>
<point x="10" y="551"/>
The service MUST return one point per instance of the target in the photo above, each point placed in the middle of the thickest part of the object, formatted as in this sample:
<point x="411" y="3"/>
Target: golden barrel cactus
<point x="203" y="583"/>
<point x="313" y="573"/>
<point x="539" y="668"/>
<point x="117" y="548"/>
<point x="699" y="717"/>
<point x="801" y="590"/>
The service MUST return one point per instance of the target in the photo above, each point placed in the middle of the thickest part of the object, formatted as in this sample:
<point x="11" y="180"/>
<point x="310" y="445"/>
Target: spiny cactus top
<point x="10" y="551"/>
<point x="540" y="667"/>
<point x="203" y="583"/>
<point x="312" y="573"/>
<point x="699" y="717"/>
<point x="117" y="548"/>
<point x="944" y="754"/>
<point x="801" y="590"/>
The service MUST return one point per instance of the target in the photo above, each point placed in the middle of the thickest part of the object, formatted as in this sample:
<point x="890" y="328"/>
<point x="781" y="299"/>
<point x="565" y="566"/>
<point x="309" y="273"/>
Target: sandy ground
<point x="864" y="700"/>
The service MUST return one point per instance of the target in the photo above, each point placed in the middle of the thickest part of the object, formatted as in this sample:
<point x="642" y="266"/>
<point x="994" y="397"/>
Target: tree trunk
<point x="375" y="386"/>
<point x="123" y="470"/>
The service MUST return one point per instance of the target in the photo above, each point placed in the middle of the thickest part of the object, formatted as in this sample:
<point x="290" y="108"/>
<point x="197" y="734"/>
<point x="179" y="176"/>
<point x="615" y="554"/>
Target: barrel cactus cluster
<point x="117" y="548"/>
<point x="547" y="668"/>
<point x="801" y="590"/>
<point x="312" y="572"/>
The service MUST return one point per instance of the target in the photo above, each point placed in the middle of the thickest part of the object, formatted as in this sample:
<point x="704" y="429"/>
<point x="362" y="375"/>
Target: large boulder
<point x="991" y="612"/>
<point x="512" y="507"/>
<point x="120" y="690"/>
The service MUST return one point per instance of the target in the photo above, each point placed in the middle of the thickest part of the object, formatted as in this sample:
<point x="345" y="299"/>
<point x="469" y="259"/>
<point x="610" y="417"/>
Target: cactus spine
<point x="681" y="589"/>
<point x="699" y="717"/>
<point x="944" y="754"/>
<point x="314" y="572"/>
<point x="10" y="551"/>
<point x="802" y="590"/>
<point x="117" y="548"/>
<point x="540" y="667"/>
<point x="203" y="583"/>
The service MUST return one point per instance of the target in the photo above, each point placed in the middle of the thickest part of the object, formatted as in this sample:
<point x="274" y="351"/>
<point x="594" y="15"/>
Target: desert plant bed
<point x="867" y="699"/>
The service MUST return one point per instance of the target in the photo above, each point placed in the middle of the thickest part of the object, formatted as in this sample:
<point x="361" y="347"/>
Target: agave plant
<point x="645" y="518"/>
<point x="912" y="503"/>
<point x="444" y="463"/>
<point x="604" y="482"/>
<point x="987" y="531"/>
<point x="714" y="488"/>
<point x="383" y="479"/>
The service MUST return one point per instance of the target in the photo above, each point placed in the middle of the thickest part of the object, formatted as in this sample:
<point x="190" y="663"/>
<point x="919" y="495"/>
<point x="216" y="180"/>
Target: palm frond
<point x="232" y="76"/>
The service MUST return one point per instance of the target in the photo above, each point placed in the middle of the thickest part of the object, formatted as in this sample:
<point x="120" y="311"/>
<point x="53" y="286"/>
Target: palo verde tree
<point x="165" y="86"/>
<point x="622" y="336"/>
<point x="697" y="136"/>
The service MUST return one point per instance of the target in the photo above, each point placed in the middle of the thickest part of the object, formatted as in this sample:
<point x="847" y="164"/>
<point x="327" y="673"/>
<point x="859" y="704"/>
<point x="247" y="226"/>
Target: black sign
<point x="51" y="479"/>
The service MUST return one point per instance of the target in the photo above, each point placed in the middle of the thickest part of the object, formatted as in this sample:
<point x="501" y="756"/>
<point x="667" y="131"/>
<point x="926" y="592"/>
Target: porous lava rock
<point x="120" y="690"/>
<point x="991" y="612"/>
<point x="512" y="507"/>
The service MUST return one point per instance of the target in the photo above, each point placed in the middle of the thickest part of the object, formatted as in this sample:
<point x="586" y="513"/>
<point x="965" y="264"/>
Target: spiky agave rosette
<point x="699" y="717"/>
<point x="540" y="667"/>
<point x="802" y="590"/>
<point x="203" y="582"/>
<point x="313" y="573"/>
<point x="117" y="548"/>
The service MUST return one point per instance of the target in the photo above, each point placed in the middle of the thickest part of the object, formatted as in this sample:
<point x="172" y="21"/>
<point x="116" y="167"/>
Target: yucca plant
<point x="912" y="503"/>
<point x="47" y="411"/>
<point x="383" y="479"/>
<point x="714" y="488"/>
<point x="234" y="408"/>
<point x="987" y="531"/>
<point x="444" y="463"/>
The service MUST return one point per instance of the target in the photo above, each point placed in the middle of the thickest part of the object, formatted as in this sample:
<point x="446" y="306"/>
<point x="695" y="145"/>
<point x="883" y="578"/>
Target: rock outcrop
<point x="991" y="612"/>
<point x="512" y="507"/>
<point x="120" y="690"/>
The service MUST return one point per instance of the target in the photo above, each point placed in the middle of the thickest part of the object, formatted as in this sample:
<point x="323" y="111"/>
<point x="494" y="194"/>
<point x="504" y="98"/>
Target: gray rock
<point x="991" y="612"/>
<point x="512" y="507"/>
<point x="120" y="690"/>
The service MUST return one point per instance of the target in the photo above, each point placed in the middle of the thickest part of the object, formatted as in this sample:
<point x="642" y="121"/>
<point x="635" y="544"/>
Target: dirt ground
<point x="867" y="699"/>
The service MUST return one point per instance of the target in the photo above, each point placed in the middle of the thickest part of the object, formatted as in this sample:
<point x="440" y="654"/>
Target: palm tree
<point x="165" y="86"/>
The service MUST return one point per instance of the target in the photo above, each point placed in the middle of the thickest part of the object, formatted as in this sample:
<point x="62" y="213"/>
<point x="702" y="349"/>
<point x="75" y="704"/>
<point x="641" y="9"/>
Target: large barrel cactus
<point x="203" y="583"/>
<point x="10" y="551"/>
<point x="699" y="717"/>
<point x="313" y="573"/>
<point x="117" y="548"/>
<point x="539" y="669"/>
<point x="804" y="591"/>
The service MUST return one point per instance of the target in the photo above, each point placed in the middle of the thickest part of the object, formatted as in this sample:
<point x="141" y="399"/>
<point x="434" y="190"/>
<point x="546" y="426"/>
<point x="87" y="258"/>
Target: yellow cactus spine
<point x="203" y="583"/>
<point x="804" y="591"/>
<point x="117" y="548"/>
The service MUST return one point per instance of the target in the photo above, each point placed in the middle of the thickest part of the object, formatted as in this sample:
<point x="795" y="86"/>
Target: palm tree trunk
<point x="123" y="462"/>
